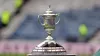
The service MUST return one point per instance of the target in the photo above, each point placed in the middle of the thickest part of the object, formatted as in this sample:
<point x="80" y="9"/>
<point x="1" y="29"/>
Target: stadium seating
<point x="70" y="20"/>
<point x="69" y="24"/>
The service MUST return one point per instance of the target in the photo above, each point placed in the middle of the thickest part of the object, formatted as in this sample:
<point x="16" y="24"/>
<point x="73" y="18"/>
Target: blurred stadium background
<point x="78" y="30"/>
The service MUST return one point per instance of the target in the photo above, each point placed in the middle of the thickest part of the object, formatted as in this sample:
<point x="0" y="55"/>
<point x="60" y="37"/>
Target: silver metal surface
<point x="49" y="47"/>
<point x="49" y="21"/>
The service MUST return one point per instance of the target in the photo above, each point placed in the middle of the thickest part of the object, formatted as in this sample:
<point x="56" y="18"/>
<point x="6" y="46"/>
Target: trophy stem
<point x="49" y="32"/>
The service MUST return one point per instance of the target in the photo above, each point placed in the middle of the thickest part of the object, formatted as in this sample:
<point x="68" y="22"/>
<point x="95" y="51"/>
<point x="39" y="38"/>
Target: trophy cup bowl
<point x="49" y="21"/>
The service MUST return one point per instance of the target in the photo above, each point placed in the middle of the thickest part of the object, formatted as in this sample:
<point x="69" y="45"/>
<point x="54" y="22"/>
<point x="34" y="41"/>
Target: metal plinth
<point x="49" y="48"/>
<point x="53" y="55"/>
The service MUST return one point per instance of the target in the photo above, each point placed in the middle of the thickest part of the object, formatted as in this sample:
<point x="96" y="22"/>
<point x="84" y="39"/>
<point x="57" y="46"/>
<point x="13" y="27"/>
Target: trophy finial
<point x="49" y="6"/>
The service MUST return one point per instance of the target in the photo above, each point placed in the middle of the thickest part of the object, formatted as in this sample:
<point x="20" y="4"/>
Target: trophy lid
<point x="49" y="11"/>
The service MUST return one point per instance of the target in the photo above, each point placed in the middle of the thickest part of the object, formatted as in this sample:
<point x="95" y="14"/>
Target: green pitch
<point x="23" y="54"/>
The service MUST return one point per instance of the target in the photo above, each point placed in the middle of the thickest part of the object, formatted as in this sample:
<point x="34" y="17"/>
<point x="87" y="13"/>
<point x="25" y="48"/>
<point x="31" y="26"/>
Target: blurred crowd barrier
<point x="26" y="47"/>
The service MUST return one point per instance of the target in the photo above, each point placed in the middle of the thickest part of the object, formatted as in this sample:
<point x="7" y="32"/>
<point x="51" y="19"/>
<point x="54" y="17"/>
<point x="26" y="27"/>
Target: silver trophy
<point x="49" y="22"/>
<point x="49" y="47"/>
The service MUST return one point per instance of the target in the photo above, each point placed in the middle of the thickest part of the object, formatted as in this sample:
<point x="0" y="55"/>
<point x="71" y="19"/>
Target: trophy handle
<point x="58" y="20"/>
<point x="39" y="20"/>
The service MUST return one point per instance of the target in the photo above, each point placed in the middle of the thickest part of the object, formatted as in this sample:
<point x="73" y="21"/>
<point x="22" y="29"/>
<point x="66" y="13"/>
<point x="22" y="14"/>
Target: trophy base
<point x="49" y="48"/>
<point x="53" y="55"/>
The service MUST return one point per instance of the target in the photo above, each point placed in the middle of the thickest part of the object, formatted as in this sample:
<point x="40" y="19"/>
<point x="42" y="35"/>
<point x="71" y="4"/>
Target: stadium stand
<point x="67" y="25"/>
<point x="95" y="37"/>
<point x="8" y="10"/>
<point x="71" y="17"/>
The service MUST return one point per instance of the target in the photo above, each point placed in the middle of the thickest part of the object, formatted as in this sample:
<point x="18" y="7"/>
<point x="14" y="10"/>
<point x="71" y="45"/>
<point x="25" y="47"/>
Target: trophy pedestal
<point x="49" y="48"/>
